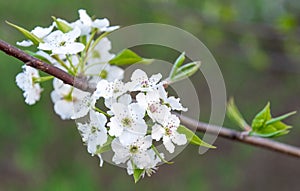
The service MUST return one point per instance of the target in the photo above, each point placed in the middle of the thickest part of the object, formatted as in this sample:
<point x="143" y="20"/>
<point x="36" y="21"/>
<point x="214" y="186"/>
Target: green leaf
<point x="106" y="146"/>
<point x="137" y="174"/>
<point x="280" y="118"/>
<point x="62" y="26"/>
<point x="264" y="125"/>
<point x="179" y="61"/>
<point x="33" y="38"/>
<point x="192" y="137"/>
<point x="185" y="71"/>
<point x="261" y="118"/>
<point x="234" y="114"/>
<point x="126" y="57"/>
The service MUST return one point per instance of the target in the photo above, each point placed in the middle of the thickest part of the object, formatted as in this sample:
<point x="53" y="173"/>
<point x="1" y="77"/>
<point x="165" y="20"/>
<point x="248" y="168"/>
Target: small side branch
<point x="191" y="123"/>
<point x="239" y="136"/>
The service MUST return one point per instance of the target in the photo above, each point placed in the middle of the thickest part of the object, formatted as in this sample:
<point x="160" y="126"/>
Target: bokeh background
<point x="257" y="46"/>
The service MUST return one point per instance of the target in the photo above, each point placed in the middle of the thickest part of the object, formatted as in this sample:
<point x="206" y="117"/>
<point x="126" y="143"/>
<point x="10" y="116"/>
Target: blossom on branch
<point x="94" y="133"/>
<point x="62" y="43"/>
<point x="26" y="81"/>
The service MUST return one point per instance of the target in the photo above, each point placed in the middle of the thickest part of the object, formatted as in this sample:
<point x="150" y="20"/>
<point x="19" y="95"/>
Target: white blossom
<point x="83" y="106"/>
<point x="168" y="132"/>
<point x="104" y="72"/>
<point x="86" y="24"/>
<point x="149" y="168"/>
<point x="94" y="133"/>
<point x="127" y="122"/>
<point x="97" y="65"/>
<point x="47" y="57"/>
<point x="25" y="81"/>
<point x="38" y="32"/>
<point x="62" y="43"/>
<point x="101" y="52"/>
<point x="171" y="101"/>
<point x="64" y="97"/>
<point x="108" y="89"/>
<point x="141" y="82"/>
<point x="150" y="101"/>
<point x="123" y="99"/>
<point x="136" y="151"/>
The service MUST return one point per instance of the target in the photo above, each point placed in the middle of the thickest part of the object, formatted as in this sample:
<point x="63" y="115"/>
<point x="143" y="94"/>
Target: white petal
<point x="154" y="79"/>
<point x="125" y="99"/>
<point x="145" y="142"/>
<point x="109" y="29"/>
<point x="139" y="128"/>
<point x="33" y="94"/>
<point x="84" y="104"/>
<point x="84" y="130"/>
<point x="69" y="48"/>
<point x="22" y="81"/>
<point x="179" y="139"/>
<point x="61" y="88"/>
<point x="101" y="23"/>
<point x="64" y="109"/>
<point x="25" y="43"/>
<point x="137" y="112"/>
<point x="168" y="144"/>
<point x="141" y="159"/>
<point x="121" y="153"/>
<point x="84" y="17"/>
<point x="141" y="99"/>
<point x="120" y="110"/>
<point x="42" y="32"/>
<point x="129" y="168"/>
<point x="157" y="132"/>
<point x="138" y="75"/>
<point x="175" y="104"/>
<point x="115" y="128"/>
<point x="115" y="73"/>
<point x="97" y="118"/>
<point x="127" y="138"/>
<point x="103" y="89"/>
<point x="45" y="46"/>
<point x="72" y="35"/>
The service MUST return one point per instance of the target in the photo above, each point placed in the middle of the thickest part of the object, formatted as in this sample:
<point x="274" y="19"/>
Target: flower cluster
<point x="74" y="48"/>
<point x="134" y="117"/>
<point x="131" y="124"/>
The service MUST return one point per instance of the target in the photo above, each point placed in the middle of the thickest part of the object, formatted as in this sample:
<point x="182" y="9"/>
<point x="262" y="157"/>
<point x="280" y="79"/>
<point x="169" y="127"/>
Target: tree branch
<point x="47" y="68"/>
<point x="191" y="123"/>
<point x="239" y="136"/>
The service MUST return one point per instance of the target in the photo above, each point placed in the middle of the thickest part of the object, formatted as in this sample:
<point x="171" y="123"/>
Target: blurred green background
<point x="257" y="46"/>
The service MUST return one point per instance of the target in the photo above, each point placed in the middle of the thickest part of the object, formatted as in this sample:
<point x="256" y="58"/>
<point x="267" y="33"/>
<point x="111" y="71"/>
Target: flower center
<point x="153" y="108"/>
<point x="133" y="149"/>
<point x="127" y="122"/>
<point x="94" y="129"/>
<point x="103" y="74"/>
<point x="145" y="83"/>
<point x="96" y="54"/>
<point x="168" y="131"/>
<point x="63" y="43"/>
<point x="68" y="97"/>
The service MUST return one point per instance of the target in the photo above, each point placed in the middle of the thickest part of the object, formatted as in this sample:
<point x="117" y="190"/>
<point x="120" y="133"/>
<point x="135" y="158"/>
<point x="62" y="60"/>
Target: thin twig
<point x="191" y="123"/>
<point x="239" y="136"/>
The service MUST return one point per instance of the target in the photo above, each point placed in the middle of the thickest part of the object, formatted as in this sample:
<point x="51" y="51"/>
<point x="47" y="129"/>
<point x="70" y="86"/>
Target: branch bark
<point x="191" y="123"/>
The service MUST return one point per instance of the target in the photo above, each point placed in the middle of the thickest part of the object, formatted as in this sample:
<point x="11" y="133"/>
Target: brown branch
<point x="239" y="136"/>
<point x="191" y="123"/>
<point x="47" y="68"/>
